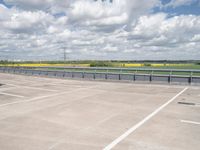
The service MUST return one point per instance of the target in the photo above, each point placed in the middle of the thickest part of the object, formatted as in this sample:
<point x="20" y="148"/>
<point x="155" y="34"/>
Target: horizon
<point x="67" y="61"/>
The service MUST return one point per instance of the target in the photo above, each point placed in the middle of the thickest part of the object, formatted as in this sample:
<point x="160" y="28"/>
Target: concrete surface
<point x="55" y="114"/>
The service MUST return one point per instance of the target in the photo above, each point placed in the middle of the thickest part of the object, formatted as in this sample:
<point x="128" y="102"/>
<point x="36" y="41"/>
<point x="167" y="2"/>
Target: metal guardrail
<point x="103" y="75"/>
<point x="116" y="69"/>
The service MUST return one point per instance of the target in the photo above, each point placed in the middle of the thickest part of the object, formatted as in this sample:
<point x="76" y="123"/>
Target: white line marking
<point x="5" y="89"/>
<point x="46" y="96"/>
<point x="190" y="122"/>
<point x="56" y="144"/>
<point x="34" y="99"/>
<point x="132" y="129"/>
<point x="28" y="87"/>
<point x="14" y="95"/>
<point x="40" y="89"/>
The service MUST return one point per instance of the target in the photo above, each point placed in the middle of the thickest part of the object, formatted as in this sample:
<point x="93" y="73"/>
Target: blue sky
<point x="185" y="9"/>
<point x="129" y="29"/>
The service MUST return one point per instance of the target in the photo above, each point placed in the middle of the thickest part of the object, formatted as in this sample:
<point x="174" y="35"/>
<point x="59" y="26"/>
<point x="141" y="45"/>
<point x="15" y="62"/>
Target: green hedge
<point x="101" y="64"/>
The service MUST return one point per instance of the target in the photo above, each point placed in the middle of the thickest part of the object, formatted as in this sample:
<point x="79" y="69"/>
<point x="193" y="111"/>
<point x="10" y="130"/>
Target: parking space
<point x="39" y="113"/>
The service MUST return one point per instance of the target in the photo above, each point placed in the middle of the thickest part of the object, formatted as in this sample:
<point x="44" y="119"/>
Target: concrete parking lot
<point x="38" y="113"/>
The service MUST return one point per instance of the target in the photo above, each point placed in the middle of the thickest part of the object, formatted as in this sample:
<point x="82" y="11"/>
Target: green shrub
<point x="198" y="63"/>
<point x="147" y="65"/>
<point x="100" y="64"/>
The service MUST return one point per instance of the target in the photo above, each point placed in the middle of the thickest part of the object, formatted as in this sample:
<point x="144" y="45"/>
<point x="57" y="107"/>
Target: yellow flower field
<point x="133" y="65"/>
<point x="47" y="65"/>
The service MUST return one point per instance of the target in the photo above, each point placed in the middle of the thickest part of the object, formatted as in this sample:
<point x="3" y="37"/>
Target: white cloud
<point x="110" y="48"/>
<point x="125" y="29"/>
<point x="30" y="4"/>
<point x="196" y="38"/>
<point x="90" y="11"/>
<point x="24" y="21"/>
<point x="98" y="13"/>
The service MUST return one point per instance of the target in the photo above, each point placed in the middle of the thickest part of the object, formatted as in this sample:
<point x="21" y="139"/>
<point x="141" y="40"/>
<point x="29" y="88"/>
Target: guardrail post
<point x="83" y="76"/>
<point x="119" y="76"/>
<point x="170" y="77"/>
<point x="94" y="76"/>
<point x="190" y="78"/>
<point x="134" y="77"/>
<point x="72" y="74"/>
<point x="106" y="76"/>
<point x="151" y="76"/>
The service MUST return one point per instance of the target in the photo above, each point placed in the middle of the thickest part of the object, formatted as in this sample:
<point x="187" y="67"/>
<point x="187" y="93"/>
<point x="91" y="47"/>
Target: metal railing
<point x="119" y="74"/>
<point x="115" y="69"/>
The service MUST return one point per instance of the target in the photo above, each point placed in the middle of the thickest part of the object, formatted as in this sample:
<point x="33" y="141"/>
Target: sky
<point x="100" y="29"/>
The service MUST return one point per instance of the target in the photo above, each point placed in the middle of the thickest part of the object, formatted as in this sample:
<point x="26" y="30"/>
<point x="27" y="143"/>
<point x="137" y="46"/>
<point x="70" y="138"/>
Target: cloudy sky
<point x="92" y="29"/>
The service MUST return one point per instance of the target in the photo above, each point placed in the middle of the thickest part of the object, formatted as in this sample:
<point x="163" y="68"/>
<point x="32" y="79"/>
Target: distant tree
<point x="147" y="65"/>
<point x="198" y="63"/>
<point x="100" y="64"/>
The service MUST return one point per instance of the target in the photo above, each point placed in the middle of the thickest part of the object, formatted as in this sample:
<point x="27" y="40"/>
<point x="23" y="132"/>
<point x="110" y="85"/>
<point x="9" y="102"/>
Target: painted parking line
<point x="28" y="87"/>
<point x="56" y="144"/>
<point x="13" y="95"/>
<point x="5" y="89"/>
<point x="36" y="98"/>
<point x="190" y="122"/>
<point x="45" y="96"/>
<point x="132" y="129"/>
